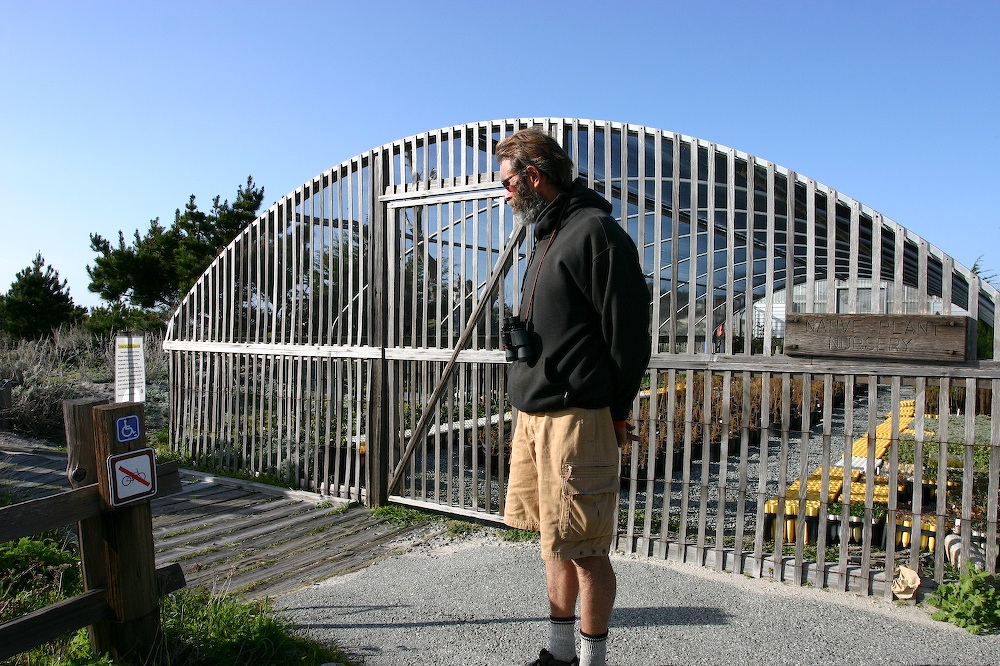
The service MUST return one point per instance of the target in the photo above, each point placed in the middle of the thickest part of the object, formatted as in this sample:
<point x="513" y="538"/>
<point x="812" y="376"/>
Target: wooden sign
<point x="892" y="337"/>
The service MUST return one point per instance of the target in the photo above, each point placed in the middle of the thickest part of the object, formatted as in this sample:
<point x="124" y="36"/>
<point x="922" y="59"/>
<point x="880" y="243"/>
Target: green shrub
<point x="199" y="628"/>
<point x="67" y="365"/>
<point x="656" y="523"/>
<point x="459" y="528"/>
<point x="35" y="573"/>
<point x="973" y="602"/>
<point x="45" y="375"/>
<point x="36" y="408"/>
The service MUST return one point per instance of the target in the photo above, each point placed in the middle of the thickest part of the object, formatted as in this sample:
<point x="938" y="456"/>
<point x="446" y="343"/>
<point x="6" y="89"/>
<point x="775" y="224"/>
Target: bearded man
<point x="585" y="312"/>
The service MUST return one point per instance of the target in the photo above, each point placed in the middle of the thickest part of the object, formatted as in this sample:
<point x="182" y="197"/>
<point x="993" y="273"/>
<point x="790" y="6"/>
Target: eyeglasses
<point x="506" y="181"/>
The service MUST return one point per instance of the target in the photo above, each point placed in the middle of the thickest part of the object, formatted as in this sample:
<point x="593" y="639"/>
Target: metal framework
<point x="310" y="347"/>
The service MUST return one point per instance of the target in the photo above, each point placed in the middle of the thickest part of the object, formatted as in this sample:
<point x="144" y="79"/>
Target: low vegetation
<point x="972" y="602"/>
<point x="954" y="453"/>
<point x="71" y="364"/>
<point x="516" y="536"/>
<point x="203" y="628"/>
<point x="402" y="515"/>
<point x="409" y="517"/>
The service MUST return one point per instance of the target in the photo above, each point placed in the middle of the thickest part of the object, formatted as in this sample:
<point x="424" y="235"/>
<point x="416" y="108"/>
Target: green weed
<point x="459" y="528"/>
<point x="402" y="515"/>
<point x="36" y="573"/>
<point x="201" y="628"/>
<point x="516" y="536"/>
<point x="973" y="602"/>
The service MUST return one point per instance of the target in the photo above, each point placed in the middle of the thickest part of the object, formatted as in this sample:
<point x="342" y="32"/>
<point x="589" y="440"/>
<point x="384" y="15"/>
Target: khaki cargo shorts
<point x="564" y="481"/>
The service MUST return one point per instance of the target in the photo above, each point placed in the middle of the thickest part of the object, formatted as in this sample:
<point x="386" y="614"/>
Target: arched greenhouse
<point x="347" y="342"/>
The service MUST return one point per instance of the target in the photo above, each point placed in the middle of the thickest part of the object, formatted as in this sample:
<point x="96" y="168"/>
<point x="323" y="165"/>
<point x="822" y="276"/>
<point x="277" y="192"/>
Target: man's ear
<point x="534" y="176"/>
<point x="540" y="183"/>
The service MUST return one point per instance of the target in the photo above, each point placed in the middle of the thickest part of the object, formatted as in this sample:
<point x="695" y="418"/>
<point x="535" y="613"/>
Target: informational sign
<point x="130" y="369"/>
<point x="890" y="337"/>
<point x="132" y="476"/>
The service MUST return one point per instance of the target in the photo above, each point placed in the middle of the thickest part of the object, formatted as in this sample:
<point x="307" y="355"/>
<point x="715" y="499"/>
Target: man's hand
<point x="624" y="434"/>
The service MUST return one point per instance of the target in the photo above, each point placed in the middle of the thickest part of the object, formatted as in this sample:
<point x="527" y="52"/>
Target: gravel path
<point x="479" y="600"/>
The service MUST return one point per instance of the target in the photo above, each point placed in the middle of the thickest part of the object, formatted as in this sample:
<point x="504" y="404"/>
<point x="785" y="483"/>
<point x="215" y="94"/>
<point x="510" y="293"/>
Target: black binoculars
<point x="516" y="342"/>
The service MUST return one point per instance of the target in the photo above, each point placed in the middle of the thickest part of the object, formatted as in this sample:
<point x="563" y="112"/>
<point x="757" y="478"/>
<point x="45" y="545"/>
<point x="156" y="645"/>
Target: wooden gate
<point x="456" y="258"/>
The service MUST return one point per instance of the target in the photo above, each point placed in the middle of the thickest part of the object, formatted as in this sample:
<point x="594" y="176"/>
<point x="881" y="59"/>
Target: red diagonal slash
<point x="134" y="476"/>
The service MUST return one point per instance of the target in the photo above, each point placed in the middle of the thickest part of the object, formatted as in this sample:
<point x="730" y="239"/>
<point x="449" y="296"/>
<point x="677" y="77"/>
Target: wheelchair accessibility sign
<point x="127" y="428"/>
<point x="132" y="476"/>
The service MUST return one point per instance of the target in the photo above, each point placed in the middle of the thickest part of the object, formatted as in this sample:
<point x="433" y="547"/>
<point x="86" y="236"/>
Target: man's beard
<point x="528" y="204"/>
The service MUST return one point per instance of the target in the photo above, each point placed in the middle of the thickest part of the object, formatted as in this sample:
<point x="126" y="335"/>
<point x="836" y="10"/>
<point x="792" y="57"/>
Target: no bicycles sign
<point x="132" y="476"/>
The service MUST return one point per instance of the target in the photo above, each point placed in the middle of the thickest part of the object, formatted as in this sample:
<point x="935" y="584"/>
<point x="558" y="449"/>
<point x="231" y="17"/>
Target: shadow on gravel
<point x="669" y="615"/>
<point x="623" y="617"/>
<point x="348" y="611"/>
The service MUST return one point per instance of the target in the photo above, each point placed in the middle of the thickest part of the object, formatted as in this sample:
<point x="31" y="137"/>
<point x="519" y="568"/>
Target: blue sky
<point x="113" y="113"/>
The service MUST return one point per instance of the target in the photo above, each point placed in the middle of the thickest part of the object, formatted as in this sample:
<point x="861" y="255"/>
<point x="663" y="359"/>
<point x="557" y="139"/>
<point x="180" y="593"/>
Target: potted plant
<point x="855" y="524"/>
<point x="833" y="511"/>
<point x="903" y="528"/>
<point x="878" y="524"/>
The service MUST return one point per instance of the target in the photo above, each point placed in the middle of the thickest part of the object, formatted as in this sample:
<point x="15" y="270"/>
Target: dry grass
<point x="71" y="364"/>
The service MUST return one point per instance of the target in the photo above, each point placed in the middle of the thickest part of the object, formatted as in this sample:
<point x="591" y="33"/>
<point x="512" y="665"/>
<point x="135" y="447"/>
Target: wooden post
<point x="81" y="470"/>
<point x="6" y="400"/>
<point x="377" y="454"/>
<point x="129" y="562"/>
<point x="81" y="460"/>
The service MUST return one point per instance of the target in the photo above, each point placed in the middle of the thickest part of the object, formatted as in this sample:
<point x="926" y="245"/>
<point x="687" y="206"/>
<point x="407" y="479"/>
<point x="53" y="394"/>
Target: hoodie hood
<point x="566" y="204"/>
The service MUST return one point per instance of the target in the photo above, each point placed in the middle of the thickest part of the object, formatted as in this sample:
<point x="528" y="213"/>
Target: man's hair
<point x="533" y="147"/>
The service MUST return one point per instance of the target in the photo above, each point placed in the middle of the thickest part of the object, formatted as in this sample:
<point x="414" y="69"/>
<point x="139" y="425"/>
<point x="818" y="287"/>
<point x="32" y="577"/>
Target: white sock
<point x="562" y="637"/>
<point x="593" y="649"/>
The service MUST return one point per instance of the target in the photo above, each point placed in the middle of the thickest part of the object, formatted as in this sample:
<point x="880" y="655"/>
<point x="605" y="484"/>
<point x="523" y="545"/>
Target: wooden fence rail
<point x="115" y="546"/>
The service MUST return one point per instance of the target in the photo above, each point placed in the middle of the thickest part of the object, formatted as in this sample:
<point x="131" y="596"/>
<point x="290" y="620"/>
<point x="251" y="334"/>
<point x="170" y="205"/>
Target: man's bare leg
<point x="564" y="589"/>
<point x="592" y="580"/>
<point x="597" y="588"/>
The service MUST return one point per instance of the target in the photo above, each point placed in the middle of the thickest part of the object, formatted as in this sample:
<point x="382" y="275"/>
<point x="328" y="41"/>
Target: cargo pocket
<point x="589" y="501"/>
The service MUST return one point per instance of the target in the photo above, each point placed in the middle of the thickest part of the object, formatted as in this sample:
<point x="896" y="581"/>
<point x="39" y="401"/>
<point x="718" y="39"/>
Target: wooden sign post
<point x="130" y="570"/>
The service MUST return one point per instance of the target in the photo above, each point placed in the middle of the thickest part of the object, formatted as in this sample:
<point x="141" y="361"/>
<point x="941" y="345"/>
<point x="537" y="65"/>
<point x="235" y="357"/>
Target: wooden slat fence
<point x="310" y="348"/>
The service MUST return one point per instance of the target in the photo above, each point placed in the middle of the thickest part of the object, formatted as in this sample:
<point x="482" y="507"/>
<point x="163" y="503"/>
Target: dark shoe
<point x="545" y="658"/>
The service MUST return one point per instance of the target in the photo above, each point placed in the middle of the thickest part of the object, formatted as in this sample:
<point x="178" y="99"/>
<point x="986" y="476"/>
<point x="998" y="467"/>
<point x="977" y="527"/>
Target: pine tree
<point x="158" y="268"/>
<point x="37" y="303"/>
